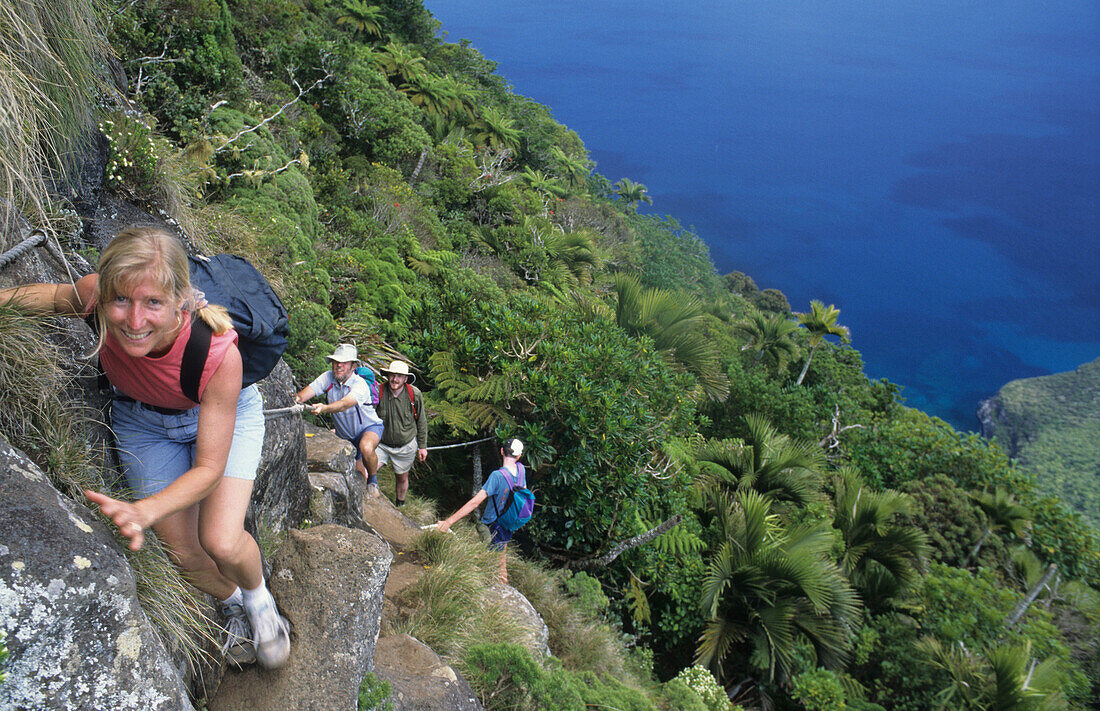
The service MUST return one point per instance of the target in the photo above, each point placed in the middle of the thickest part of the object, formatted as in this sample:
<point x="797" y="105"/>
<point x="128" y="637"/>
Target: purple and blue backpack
<point x="519" y="505"/>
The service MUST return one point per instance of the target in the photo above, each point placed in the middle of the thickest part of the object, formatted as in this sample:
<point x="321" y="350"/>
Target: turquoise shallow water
<point x="932" y="168"/>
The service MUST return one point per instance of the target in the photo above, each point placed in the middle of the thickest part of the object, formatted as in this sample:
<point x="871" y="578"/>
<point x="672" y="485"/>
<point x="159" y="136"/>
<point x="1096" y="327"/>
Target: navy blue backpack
<point x="259" y="318"/>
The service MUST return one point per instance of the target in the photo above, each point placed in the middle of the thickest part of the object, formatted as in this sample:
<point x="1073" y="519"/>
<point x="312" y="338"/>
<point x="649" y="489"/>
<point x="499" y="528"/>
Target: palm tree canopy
<point x="362" y="17"/>
<point x="770" y="338"/>
<point x="882" y="557"/>
<point x="1003" y="511"/>
<point x="398" y="60"/>
<point x="767" y="462"/>
<point x="575" y="170"/>
<point x="821" y="322"/>
<point x="673" y="321"/>
<point x="774" y="589"/>
<point x="545" y="184"/>
<point x="492" y="128"/>
<point x="632" y="193"/>
<point x="1003" y="678"/>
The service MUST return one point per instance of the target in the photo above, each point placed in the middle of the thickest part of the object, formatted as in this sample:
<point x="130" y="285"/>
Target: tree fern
<point x="468" y="403"/>
<point x="678" y="541"/>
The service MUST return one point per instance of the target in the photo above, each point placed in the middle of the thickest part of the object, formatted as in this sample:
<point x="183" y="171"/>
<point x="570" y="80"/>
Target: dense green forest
<point x="829" y="547"/>
<point x="1050" y="425"/>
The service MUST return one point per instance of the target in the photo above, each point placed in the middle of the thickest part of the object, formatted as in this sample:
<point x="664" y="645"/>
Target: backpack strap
<point x="103" y="384"/>
<point x="194" y="358"/>
<point x="496" y="508"/>
<point x="412" y="400"/>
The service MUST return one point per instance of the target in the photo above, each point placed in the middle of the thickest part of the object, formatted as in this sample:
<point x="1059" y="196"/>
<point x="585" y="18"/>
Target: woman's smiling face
<point x="143" y="318"/>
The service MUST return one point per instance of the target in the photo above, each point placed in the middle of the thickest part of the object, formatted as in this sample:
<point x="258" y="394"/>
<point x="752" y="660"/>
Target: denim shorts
<point x="500" y="536"/>
<point x="155" y="449"/>
<point x="376" y="429"/>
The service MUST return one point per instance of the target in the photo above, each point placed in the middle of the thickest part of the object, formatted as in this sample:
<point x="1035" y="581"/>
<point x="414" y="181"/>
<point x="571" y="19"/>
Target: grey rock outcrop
<point x="328" y="582"/>
<point x="537" y="636"/>
<point x="280" y="495"/>
<point x="990" y="415"/>
<point x="419" y="679"/>
<point x="337" y="488"/>
<point x="76" y="635"/>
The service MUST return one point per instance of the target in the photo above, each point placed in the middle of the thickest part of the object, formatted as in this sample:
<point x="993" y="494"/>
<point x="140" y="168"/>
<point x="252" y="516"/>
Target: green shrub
<point x="819" y="690"/>
<point x="588" y="594"/>
<point x="607" y="692"/>
<point x="312" y="336"/>
<point x="504" y="676"/>
<point x="681" y="697"/>
<point x="374" y="694"/>
<point x="674" y="258"/>
<point x="3" y="656"/>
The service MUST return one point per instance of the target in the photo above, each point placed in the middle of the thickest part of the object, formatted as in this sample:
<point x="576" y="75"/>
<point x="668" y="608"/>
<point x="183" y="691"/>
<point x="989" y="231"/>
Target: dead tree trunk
<point x="1033" y="593"/>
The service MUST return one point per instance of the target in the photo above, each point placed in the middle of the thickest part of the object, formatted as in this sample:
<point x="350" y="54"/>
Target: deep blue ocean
<point x="930" y="167"/>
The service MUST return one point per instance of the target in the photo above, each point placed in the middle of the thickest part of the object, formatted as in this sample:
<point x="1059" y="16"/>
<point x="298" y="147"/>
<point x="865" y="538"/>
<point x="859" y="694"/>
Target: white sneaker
<point x="373" y="491"/>
<point x="271" y="634"/>
<point x="238" y="647"/>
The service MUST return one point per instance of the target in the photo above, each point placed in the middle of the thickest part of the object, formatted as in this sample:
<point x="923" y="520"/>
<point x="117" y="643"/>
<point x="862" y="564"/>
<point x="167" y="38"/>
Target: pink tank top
<point x="156" y="381"/>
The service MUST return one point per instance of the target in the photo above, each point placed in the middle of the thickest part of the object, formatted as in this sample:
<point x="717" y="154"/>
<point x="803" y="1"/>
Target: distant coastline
<point x="1051" y="426"/>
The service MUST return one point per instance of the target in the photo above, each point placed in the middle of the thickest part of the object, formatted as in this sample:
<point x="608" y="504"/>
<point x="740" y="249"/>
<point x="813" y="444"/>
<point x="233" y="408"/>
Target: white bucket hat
<point x="400" y="367"/>
<point x="344" y="353"/>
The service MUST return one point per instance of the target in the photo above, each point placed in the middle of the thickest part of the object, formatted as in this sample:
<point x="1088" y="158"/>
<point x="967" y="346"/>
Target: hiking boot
<point x="238" y="647"/>
<point x="373" y="491"/>
<point x="271" y="634"/>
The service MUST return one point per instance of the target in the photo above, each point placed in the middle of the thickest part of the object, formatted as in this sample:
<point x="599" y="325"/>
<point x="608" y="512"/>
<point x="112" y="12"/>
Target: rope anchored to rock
<point x="279" y="411"/>
<point x="36" y="238"/>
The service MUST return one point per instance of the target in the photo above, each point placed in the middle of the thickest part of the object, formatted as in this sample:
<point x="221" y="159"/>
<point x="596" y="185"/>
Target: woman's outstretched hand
<point x="125" y="515"/>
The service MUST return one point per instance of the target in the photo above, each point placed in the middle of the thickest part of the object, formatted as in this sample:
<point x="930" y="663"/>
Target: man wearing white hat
<point x="352" y="408"/>
<point x="405" y="438"/>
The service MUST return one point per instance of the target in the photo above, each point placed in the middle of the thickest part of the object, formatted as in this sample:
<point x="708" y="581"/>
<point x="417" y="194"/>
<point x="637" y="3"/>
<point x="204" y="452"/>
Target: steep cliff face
<point x="1051" y="425"/>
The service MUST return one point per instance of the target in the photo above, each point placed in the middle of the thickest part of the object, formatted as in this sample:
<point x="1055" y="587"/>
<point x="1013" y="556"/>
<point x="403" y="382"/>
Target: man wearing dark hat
<point x="405" y="437"/>
<point x="353" y="413"/>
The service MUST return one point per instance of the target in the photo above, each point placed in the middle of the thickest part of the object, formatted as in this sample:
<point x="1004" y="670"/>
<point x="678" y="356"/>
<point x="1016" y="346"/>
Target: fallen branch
<point x="623" y="546"/>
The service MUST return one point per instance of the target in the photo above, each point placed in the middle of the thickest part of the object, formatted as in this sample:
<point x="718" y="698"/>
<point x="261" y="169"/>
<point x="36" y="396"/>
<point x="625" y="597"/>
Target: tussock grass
<point x="453" y="608"/>
<point x="456" y="612"/>
<point x="581" y="642"/>
<point x="420" y="510"/>
<point x="49" y="50"/>
<point x="37" y="418"/>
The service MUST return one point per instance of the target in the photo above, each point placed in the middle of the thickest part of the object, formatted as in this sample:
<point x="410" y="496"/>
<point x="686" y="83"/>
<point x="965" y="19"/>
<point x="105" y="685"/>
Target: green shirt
<point x="401" y="427"/>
